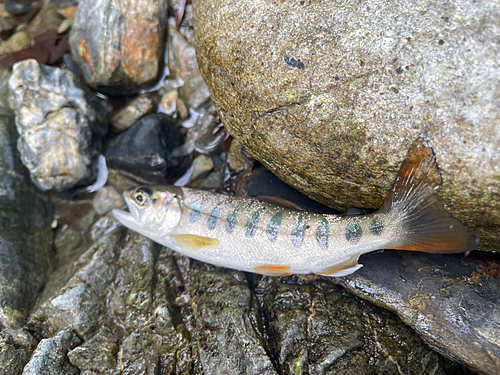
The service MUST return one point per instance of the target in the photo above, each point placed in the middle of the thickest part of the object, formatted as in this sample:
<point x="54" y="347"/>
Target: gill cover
<point x="152" y="211"/>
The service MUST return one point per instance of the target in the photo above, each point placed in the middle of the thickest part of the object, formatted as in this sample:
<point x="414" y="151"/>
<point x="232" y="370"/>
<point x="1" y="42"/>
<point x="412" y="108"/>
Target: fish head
<point x="154" y="211"/>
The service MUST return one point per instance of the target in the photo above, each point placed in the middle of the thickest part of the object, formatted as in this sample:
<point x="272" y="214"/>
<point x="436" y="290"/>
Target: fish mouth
<point x="130" y="219"/>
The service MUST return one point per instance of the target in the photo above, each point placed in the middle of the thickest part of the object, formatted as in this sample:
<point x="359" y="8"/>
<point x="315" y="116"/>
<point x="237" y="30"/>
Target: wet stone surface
<point x="145" y="151"/>
<point x="451" y="301"/>
<point x="119" y="47"/>
<point x="16" y="347"/>
<point x="25" y="234"/>
<point x="55" y="119"/>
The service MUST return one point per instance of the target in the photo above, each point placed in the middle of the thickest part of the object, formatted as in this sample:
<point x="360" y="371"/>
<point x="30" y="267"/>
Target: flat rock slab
<point x="451" y="301"/>
<point x="330" y="95"/>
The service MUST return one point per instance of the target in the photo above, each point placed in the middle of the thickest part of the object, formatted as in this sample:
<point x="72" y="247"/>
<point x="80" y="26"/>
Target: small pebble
<point x="16" y="42"/>
<point x="169" y="102"/>
<point x="65" y="26"/>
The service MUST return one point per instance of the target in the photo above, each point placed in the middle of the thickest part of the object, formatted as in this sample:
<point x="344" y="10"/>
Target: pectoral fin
<point x="342" y="269"/>
<point x="194" y="243"/>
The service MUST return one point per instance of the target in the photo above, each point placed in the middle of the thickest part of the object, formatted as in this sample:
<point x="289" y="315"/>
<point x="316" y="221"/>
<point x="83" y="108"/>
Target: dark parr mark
<point x="195" y="213"/>
<point x="297" y="235"/>
<point x="231" y="220"/>
<point x="353" y="232"/>
<point x="213" y="219"/>
<point x="294" y="63"/>
<point x="251" y="225"/>
<point x="273" y="227"/>
<point x="322" y="234"/>
<point x="377" y="226"/>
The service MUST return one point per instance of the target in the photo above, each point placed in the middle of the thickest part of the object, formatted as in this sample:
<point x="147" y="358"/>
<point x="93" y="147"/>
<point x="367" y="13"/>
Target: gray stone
<point x="49" y="358"/>
<point x="80" y="302"/>
<point x="182" y="64"/>
<point x="98" y="354"/>
<point x="133" y="111"/>
<point x="330" y="95"/>
<point x="131" y="302"/>
<point x="55" y="119"/>
<point x="118" y="44"/>
<point x="227" y="342"/>
<point x="24" y="226"/>
<point x="451" y="301"/>
<point x="16" y="347"/>
<point x="106" y="199"/>
<point x="316" y="328"/>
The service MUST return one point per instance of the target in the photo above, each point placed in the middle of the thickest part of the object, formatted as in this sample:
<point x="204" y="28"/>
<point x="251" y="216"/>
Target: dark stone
<point x="143" y="152"/>
<point x="25" y="233"/>
<point x="96" y="354"/>
<point x="317" y="328"/>
<point x="450" y="300"/>
<point x="17" y="8"/>
<point x="227" y="342"/>
<point x="16" y="347"/>
<point x="119" y="45"/>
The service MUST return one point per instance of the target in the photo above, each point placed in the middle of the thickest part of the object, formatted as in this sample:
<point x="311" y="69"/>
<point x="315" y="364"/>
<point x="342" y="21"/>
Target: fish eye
<point x="143" y="195"/>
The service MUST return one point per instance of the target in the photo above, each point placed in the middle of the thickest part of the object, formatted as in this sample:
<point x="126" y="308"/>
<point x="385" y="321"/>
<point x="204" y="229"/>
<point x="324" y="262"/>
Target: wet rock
<point x="17" y="8"/>
<point x="133" y="111"/>
<point x="50" y="355"/>
<point x="144" y="152"/>
<point x="206" y="133"/>
<point x="55" y="119"/>
<point x="47" y="18"/>
<point x="132" y="300"/>
<point x="80" y="302"/>
<point x="182" y="64"/>
<point x="106" y="199"/>
<point x="97" y="354"/>
<point x="24" y="226"/>
<point x="227" y="342"/>
<point x="16" y="347"/>
<point x="316" y="328"/>
<point x="329" y="96"/>
<point x="118" y="45"/>
<point x="451" y="301"/>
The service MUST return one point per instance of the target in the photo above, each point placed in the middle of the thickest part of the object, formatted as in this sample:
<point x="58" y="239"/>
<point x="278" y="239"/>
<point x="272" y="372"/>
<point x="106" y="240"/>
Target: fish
<point x="251" y="235"/>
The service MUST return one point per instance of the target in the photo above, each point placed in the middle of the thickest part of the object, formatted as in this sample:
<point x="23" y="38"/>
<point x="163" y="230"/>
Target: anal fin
<point x="341" y="269"/>
<point x="273" y="270"/>
<point x="193" y="243"/>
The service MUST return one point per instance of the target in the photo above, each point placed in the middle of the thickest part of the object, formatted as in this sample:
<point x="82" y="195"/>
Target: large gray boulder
<point x="330" y="95"/>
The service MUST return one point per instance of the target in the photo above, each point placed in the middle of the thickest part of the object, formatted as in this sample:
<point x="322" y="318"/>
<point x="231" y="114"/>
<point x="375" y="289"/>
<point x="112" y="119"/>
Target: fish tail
<point x="413" y="202"/>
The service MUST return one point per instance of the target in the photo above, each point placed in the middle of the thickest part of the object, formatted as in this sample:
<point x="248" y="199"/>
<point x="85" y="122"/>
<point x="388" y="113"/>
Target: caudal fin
<point x="425" y="224"/>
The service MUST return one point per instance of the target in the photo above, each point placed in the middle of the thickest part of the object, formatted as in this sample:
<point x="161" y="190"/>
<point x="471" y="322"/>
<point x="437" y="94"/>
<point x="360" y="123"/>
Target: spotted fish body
<point x="250" y="235"/>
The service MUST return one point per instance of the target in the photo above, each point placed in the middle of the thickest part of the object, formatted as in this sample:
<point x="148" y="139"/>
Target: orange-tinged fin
<point x="193" y="243"/>
<point x="342" y="269"/>
<point x="280" y="202"/>
<point x="272" y="270"/>
<point x="426" y="225"/>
